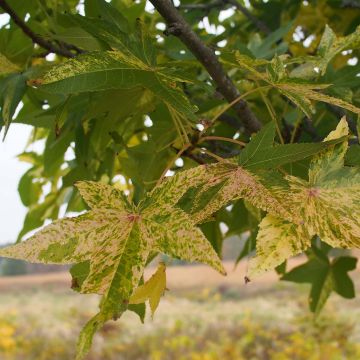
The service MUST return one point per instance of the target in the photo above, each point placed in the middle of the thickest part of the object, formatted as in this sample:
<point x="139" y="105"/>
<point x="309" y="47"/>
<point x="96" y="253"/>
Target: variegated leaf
<point x="235" y="182"/>
<point x="116" y="238"/>
<point x="327" y="205"/>
<point x="298" y="91"/>
<point x="277" y="241"/>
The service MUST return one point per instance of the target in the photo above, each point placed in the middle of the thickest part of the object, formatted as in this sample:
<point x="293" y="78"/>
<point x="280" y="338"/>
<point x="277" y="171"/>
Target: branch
<point x="204" y="7"/>
<point x="220" y="4"/>
<point x="62" y="49"/>
<point x="258" y="23"/>
<point x="179" y="27"/>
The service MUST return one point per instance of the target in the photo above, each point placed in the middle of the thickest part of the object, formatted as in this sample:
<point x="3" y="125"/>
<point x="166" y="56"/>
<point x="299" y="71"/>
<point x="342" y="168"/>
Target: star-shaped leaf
<point x="245" y="179"/>
<point x="324" y="276"/>
<point x="116" y="238"/>
<point x="327" y="205"/>
<point x="152" y="290"/>
<point x="131" y="63"/>
<point x="299" y="91"/>
<point x="329" y="202"/>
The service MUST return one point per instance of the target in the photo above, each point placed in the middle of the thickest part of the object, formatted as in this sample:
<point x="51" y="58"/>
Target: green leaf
<point x="29" y="190"/>
<point x="152" y="290"/>
<point x="331" y="45"/>
<point x="12" y="94"/>
<point x="260" y="153"/>
<point x="6" y="66"/>
<point x="352" y="157"/>
<point x="324" y="277"/>
<point x="122" y="70"/>
<point x="284" y="154"/>
<point x="104" y="10"/>
<point x="263" y="140"/>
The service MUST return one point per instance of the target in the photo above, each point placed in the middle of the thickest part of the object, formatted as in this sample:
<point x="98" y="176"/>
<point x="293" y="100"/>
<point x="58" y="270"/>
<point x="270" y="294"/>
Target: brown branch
<point x="258" y="23"/>
<point x="204" y="7"/>
<point x="179" y="27"/>
<point x="36" y="39"/>
<point x="220" y="4"/>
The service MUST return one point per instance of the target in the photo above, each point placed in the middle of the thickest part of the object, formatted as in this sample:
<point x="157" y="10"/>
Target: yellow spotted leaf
<point x="327" y="205"/>
<point x="277" y="241"/>
<point x="113" y="241"/>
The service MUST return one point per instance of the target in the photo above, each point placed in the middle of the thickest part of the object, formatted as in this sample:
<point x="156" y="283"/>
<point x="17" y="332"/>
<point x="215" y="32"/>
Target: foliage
<point x="132" y="106"/>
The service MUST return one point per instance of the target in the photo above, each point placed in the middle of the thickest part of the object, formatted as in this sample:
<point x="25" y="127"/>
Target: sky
<point x="12" y="212"/>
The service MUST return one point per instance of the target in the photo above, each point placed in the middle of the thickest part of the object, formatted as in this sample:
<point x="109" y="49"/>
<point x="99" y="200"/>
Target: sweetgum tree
<point x="162" y="120"/>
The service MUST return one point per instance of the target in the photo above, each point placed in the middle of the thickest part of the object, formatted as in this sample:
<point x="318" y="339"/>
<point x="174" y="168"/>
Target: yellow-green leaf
<point x="152" y="289"/>
<point x="277" y="241"/>
<point x="116" y="238"/>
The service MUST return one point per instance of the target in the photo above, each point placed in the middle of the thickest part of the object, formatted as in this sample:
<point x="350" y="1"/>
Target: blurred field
<point x="203" y="317"/>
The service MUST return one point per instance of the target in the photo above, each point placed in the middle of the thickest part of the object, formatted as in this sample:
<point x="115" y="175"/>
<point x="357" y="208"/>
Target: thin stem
<point x="296" y="128"/>
<point x="273" y="116"/>
<point x="258" y="23"/>
<point x="216" y="157"/>
<point x="232" y="103"/>
<point x="220" y="138"/>
<point x="168" y="167"/>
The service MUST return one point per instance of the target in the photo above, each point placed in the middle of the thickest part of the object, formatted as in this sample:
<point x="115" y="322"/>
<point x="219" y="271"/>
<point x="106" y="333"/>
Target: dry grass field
<point x="203" y="316"/>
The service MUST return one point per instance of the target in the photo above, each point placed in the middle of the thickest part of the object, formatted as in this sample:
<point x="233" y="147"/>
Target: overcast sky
<point x="12" y="211"/>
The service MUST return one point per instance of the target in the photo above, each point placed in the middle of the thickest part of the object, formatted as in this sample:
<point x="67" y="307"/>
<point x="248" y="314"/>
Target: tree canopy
<point x="171" y="125"/>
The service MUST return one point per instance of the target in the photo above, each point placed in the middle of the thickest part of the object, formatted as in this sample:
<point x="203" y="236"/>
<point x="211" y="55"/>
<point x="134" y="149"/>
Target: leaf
<point x="298" y="91"/>
<point x="307" y="94"/>
<point x="324" y="277"/>
<point x="116" y="237"/>
<point x="12" y="94"/>
<point x="132" y="64"/>
<point x="279" y="155"/>
<point x="263" y="140"/>
<point x="331" y="45"/>
<point x="152" y="289"/>
<point x="232" y="182"/>
<point x="327" y="205"/>
<point x="352" y="157"/>
<point x="6" y="66"/>
<point x="277" y="241"/>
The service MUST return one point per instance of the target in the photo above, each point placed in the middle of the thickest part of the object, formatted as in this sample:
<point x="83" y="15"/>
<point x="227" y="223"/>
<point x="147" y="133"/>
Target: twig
<point x="273" y="116"/>
<point x="211" y="154"/>
<point x="258" y="23"/>
<point x="237" y="100"/>
<point x="205" y="7"/>
<point x="234" y="141"/>
<point x="37" y="39"/>
<point x="220" y="4"/>
<point x="168" y="167"/>
<point x="179" y="27"/>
